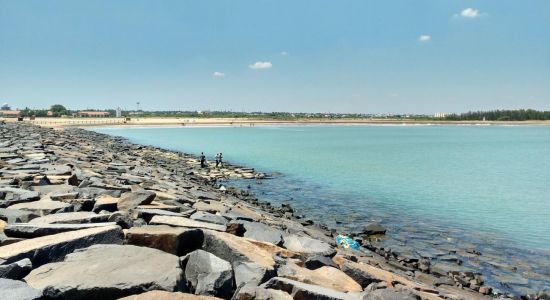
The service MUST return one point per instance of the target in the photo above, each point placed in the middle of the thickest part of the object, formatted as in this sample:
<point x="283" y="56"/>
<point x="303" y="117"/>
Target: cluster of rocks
<point x="88" y="216"/>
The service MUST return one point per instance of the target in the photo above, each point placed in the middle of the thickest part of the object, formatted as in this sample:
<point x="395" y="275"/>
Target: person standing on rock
<point x="220" y="158"/>
<point x="203" y="160"/>
<point x="217" y="159"/>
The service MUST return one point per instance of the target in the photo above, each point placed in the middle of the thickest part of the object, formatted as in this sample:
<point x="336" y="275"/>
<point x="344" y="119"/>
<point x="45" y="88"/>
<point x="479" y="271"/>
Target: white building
<point x="118" y="112"/>
<point x="440" y="115"/>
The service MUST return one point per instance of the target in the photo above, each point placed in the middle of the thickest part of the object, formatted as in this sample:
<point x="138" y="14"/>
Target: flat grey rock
<point x="209" y="218"/>
<point x="261" y="232"/>
<point x="108" y="272"/>
<point x="18" y="290"/>
<point x="184" y="222"/>
<point x="42" y="208"/>
<point x="71" y="218"/>
<point x="307" y="245"/>
<point x="16" y="215"/>
<point x="28" y="230"/>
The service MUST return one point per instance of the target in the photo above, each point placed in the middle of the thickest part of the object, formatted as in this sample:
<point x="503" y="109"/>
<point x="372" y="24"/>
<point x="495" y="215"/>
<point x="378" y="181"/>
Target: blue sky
<point x="421" y="56"/>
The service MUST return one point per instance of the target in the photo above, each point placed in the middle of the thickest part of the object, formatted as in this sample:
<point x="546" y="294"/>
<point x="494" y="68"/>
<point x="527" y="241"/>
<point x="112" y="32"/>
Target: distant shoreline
<point x="134" y="122"/>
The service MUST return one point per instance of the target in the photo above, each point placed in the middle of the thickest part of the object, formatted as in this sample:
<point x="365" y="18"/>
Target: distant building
<point x="10" y="113"/>
<point x="93" y="114"/>
<point x="5" y="106"/>
<point x="49" y="113"/>
<point x="118" y="112"/>
<point x="440" y="115"/>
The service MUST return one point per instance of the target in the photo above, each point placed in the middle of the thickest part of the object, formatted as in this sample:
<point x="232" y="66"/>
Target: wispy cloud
<point x="470" y="13"/>
<point x="261" y="65"/>
<point x="284" y="53"/>
<point x="218" y="74"/>
<point x="424" y="38"/>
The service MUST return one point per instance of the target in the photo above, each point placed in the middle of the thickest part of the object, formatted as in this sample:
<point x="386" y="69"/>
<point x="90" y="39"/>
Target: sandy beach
<point x="94" y="122"/>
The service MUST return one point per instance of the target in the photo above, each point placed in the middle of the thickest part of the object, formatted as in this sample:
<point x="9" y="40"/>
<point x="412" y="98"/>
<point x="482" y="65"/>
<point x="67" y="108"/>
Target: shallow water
<point x="466" y="186"/>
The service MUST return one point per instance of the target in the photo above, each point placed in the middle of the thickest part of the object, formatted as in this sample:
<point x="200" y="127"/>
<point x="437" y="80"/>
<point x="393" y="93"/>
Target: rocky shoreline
<point x="86" y="215"/>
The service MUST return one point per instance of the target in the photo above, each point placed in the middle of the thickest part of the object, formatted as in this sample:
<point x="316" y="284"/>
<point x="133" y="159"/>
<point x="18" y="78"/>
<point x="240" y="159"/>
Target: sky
<point x="421" y="56"/>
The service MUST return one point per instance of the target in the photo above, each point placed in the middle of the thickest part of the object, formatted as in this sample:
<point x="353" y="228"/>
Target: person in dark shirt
<point x="203" y="160"/>
<point x="220" y="159"/>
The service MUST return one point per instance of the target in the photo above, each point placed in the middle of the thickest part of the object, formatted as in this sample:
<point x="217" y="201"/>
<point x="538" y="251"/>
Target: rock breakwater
<point x="88" y="216"/>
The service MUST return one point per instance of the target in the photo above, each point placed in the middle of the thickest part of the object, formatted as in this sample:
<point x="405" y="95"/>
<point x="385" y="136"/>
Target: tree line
<point x="501" y="115"/>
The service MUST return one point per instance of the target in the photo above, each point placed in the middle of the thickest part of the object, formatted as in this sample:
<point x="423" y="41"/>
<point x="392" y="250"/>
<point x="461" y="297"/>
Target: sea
<point x="441" y="191"/>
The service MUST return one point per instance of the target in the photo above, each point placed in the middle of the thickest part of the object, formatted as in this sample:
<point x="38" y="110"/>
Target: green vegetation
<point x="501" y="115"/>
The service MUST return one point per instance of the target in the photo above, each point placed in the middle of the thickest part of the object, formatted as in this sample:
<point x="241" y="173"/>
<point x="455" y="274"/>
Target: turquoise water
<point x="490" y="178"/>
<point x="486" y="185"/>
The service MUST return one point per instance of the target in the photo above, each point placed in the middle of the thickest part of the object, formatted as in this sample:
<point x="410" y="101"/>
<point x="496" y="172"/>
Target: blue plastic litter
<point x="346" y="242"/>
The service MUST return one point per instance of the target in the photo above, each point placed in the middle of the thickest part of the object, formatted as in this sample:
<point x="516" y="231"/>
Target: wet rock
<point x="52" y="248"/>
<point x="209" y="218"/>
<point x="16" y="270"/>
<point x="373" y="229"/>
<point x="184" y="222"/>
<point x="131" y="200"/>
<point x="174" y="240"/>
<point x="18" y="290"/>
<point x="207" y="274"/>
<point x="307" y="246"/>
<point x="300" y="290"/>
<point x="119" y="270"/>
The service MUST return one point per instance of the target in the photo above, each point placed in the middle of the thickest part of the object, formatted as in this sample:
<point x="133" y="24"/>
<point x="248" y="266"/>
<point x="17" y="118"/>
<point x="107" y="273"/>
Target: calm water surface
<point x="483" y="185"/>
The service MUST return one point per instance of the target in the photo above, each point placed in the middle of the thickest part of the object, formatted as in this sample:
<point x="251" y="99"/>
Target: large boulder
<point x="54" y="247"/>
<point x="163" y="295"/>
<point x="207" y="274"/>
<point x="251" y="262"/>
<point x="131" y="200"/>
<point x="307" y="246"/>
<point x="18" y="290"/>
<point x="108" y="272"/>
<point x="175" y="240"/>
<point x="185" y="222"/>
<point x="28" y="230"/>
<point x="328" y="277"/>
<point x="71" y="217"/>
<point x="300" y="290"/>
<point x="16" y="270"/>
